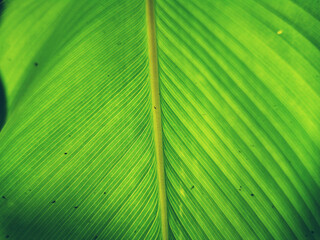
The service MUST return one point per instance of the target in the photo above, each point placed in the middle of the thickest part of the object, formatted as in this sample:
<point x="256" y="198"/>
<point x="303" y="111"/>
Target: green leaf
<point x="237" y="124"/>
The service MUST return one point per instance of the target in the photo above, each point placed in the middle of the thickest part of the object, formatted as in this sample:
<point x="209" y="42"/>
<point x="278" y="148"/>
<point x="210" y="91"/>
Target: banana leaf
<point x="164" y="119"/>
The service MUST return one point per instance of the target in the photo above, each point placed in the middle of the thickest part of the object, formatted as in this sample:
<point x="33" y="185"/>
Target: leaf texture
<point x="239" y="94"/>
<point x="77" y="152"/>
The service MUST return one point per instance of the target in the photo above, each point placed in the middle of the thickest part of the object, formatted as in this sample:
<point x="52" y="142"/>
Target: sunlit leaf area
<point x="159" y="119"/>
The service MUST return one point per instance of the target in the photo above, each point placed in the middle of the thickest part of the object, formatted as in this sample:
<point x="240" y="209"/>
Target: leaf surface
<point x="77" y="150"/>
<point x="240" y="93"/>
<point x="239" y="100"/>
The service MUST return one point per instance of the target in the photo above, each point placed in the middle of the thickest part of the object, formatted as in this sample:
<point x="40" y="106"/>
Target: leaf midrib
<point x="155" y="93"/>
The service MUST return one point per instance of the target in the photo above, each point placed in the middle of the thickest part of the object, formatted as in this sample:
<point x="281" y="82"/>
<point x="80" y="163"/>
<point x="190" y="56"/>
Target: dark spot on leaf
<point x="252" y="194"/>
<point x="239" y="151"/>
<point x="155" y="107"/>
<point x="65" y="153"/>
<point x="192" y="187"/>
<point x="53" y="201"/>
<point x="4" y="197"/>
<point x="104" y="193"/>
<point x="7" y="236"/>
<point x="76" y="207"/>
<point x="36" y="64"/>
<point x="312" y="232"/>
<point x="95" y="237"/>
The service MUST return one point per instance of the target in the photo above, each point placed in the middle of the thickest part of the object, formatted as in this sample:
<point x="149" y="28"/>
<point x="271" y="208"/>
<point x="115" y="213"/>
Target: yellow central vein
<point x="154" y="77"/>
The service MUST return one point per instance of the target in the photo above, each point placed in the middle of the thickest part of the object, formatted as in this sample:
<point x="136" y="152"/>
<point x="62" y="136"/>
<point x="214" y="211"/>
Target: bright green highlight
<point x="240" y="106"/>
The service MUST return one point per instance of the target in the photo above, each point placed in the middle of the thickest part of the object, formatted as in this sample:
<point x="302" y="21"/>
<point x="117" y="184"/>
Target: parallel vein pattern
<point x="240" y="87"/>
<point x="77" y="152"/>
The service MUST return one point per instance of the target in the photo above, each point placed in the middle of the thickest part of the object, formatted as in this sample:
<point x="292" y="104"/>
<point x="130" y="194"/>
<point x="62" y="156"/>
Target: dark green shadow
<point x="3" y="102"/>
<point x="3" y="105"/>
